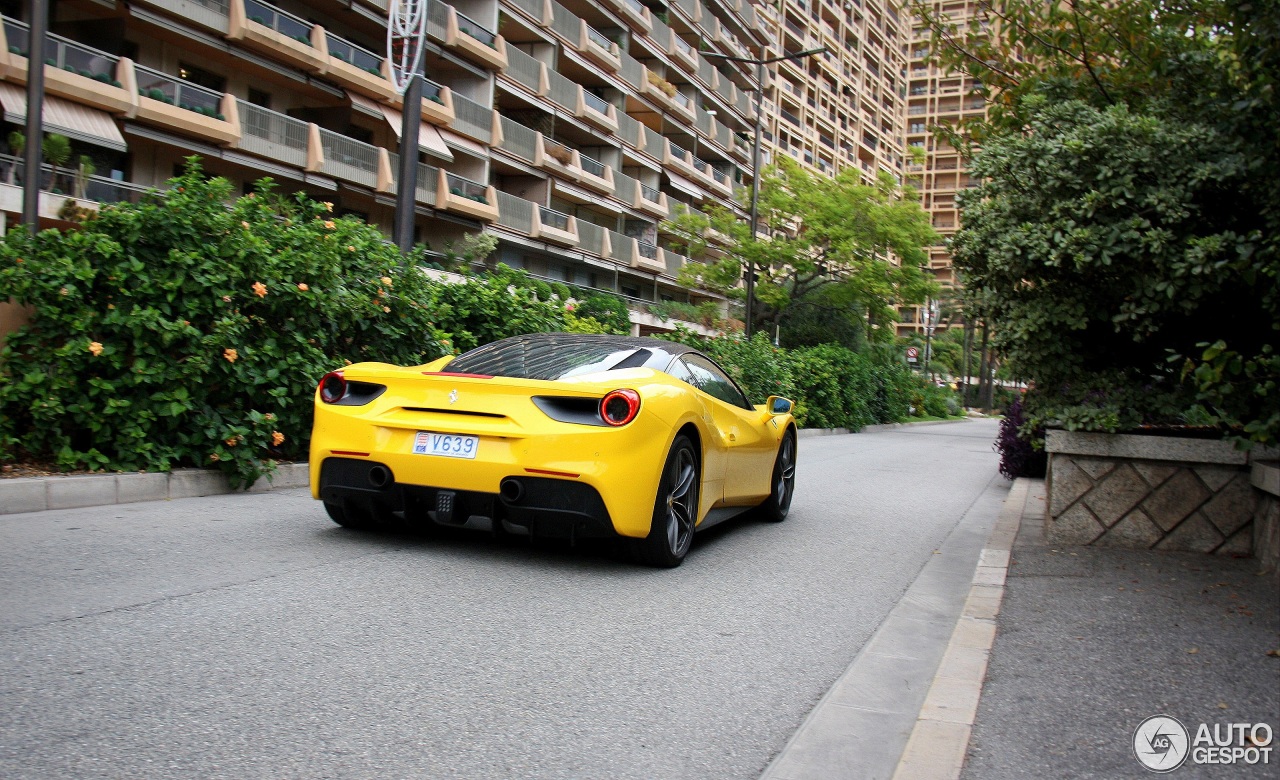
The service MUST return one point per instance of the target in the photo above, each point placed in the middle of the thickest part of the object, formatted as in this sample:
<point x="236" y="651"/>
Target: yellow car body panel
<point x="518" y="439"/>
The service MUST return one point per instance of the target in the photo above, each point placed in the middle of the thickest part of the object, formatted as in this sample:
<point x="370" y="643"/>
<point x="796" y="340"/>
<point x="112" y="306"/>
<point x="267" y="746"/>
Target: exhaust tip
<point x="379" y="476"/>
<point x="511" y="490"/>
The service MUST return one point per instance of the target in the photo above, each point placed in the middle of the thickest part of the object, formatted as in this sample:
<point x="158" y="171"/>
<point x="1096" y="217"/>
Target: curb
<point x="806" y="433"/>
<point x="939" y="742"/>
<point x="36" y="494"/>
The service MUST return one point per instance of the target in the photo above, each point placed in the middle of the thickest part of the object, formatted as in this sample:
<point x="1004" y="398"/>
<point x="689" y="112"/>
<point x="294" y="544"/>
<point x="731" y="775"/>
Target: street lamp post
<point x="406" y="35"/>
<point x="755" y="156"/>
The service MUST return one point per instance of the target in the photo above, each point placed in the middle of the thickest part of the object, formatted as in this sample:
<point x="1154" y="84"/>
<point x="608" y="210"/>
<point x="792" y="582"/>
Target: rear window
<point x="547" y="359"/>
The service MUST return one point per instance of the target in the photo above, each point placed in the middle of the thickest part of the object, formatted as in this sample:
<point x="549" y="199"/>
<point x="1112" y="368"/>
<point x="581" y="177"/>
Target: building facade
<point x="568" y="129"/>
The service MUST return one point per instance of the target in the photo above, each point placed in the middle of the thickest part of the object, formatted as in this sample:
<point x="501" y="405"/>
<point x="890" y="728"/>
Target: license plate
<point x="449" y="445"/>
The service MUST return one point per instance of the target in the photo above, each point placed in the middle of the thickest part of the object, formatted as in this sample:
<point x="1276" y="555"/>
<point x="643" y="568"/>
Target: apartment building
<point x="935" y="98"/>
<point x="569" y="129"/>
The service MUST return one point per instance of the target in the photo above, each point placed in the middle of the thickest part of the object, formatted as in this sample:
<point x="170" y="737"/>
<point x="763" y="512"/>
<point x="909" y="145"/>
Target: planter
<point x="1150" y="492"/>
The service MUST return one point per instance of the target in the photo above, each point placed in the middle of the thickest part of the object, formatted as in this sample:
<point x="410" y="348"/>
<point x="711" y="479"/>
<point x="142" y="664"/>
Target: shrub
<point x="609" y="310"/>
<point x="182" y="331"/>
<point x="1019" y="455"/>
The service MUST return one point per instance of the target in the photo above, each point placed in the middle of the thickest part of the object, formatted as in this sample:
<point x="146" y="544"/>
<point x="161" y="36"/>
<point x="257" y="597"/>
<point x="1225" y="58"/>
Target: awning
<point x="429" y="139"/>
<point x="90" y="125"/>
<point x="686" y="186"/>
<point x="580" y="195"/>
<point x="465" y="144"/>
<point x="365" y="105"/>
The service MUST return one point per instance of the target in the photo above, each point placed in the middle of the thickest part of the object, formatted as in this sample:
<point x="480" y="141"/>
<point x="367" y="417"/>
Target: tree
<point x="56" y="150"/>
<point x="1128" y="212"/>
<point x="828" y="241"/>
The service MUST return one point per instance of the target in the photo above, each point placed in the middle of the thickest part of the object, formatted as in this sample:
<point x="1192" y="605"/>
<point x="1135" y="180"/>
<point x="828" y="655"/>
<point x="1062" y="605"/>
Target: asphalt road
<point x="247" y="636"/>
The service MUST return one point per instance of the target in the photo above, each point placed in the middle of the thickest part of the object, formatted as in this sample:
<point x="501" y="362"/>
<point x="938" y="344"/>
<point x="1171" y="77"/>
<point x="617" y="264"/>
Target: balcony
<point x="272" y="135"/>
<point x="175" y="104"/>
<point x="596" y="110"/>
<point x="682" y="51"/>
<point x="648" y="257"/>
<point x="212" y="14"/>
<point x="348" y="159"/>
<point x="474" y="41"/>
<point x="279" y="33"/>
<point x="82" y="73"/>
<point x="357" y="68"/>
<point x="679" y="159"/>
<point x="634" y="13"/>
<point x="596" y="174"/>
<point x="463" y="196"/>
<point x="554" y="227"/>
<point x="667" y="95"/>
<point x="648" y="199"/>
<point x="599" y="49"/>
<point x="556" y="158"/>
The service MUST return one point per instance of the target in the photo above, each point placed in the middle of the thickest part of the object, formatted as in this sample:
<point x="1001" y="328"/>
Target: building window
<point x="259" y="98"/>
<point x="202" y="77"/>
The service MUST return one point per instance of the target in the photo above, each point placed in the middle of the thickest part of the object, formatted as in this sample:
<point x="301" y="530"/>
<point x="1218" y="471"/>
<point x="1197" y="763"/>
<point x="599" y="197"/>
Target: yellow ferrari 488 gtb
<point x="553" y="434"/>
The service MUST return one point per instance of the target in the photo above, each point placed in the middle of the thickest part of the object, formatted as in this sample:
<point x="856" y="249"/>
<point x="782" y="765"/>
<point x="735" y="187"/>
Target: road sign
<point x="913" y="354"/>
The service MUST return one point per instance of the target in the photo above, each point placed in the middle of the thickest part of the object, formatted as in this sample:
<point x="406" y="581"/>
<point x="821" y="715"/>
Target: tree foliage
<point x="828" y="241"/>
<point x="1128" y="220"/>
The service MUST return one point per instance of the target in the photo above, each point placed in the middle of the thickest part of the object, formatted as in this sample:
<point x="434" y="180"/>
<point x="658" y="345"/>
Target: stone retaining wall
<point x="1150" y="492"/>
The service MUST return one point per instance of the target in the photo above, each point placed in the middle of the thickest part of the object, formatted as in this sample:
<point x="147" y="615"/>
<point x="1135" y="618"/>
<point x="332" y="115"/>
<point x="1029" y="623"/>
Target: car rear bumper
<point x="539" y="506"/>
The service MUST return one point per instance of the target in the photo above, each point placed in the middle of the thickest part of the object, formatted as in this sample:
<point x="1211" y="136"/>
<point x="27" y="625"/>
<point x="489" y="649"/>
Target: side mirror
<point x="778" y="405"/>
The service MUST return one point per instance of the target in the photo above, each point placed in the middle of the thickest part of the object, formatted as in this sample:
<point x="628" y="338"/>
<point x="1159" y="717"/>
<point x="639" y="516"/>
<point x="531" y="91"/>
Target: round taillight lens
<point x="333" y="386"/>
<point x="620" y="407"/>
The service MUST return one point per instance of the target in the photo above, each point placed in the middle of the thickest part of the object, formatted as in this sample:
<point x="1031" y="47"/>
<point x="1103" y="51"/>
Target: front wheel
<point x="778" y="504"/>
<point x="675" y="510"/>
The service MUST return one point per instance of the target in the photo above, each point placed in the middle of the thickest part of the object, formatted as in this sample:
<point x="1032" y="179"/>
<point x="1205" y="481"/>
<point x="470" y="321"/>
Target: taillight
<point x="333" y="386"/>
<point x="620" y="407"/>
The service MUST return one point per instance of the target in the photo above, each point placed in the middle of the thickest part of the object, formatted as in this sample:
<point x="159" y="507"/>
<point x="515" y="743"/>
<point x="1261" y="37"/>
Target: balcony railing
<point x="66" y="182"/>
<point x="651" y="194"/>
<point x="593" y="167"/>
<point x="553" y="219"/>
<point x="348" y="52"/>
<point x="466" y="188"/>
<point x="178" y="92"/>
<point x="599" y="39"/>
<point x="279" y="20"/>
<point x="348" y="158"/>
<point x="272" y="135"/>
<point x="64" y="54"/>
<point x="595" y="102"/>
<point x="647" y="250"/>
<point x="472" y="28"/>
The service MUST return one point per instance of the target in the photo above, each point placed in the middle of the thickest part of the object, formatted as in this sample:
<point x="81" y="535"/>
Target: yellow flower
<point x="387" y="309"/>
<point x="303" y="286"/>
<point x="244" y="225"/>
<point x="328" y="223"/>
<point x="111" y="306"/>
<point x="64" y="291"/>
<point x="327" y="206"/>
<point x="95" y="347"/>
<point x="276" y="438"/>
<point x="226" y="299"/>
<point x="214" y="457"/>
<point x="231" y="355"/>
<point x="260" y="289"/>
<point x="232" y="441"/>
<point x="386" y="280"/>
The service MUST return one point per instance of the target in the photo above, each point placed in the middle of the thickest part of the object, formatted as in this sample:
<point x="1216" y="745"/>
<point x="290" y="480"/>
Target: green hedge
<point x="182" y="331"/>
<point x="832" y="387"/>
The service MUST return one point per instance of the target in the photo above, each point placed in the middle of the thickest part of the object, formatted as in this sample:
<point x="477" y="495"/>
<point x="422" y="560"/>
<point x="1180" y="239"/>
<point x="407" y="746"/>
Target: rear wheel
<point x="359" y="516"/>
<point x="776" y="506"/>
<point x="675" y="510"/>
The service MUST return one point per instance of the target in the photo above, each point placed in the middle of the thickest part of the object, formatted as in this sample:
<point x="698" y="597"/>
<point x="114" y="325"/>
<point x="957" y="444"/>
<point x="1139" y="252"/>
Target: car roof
<point x="544" y="355"/>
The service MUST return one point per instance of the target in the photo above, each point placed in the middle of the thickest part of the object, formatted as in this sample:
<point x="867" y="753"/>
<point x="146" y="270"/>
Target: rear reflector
<point x="553" y="473"/>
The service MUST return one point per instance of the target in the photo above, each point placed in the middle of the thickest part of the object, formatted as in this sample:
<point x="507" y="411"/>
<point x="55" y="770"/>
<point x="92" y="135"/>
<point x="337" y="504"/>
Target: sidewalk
<point x="1092" y="641"/>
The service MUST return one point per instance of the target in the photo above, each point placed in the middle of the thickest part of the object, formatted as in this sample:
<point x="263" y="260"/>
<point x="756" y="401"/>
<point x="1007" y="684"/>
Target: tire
<point x="675" y="509"/>
<point x="357" y="517"/>
<point x="783" y="485"/>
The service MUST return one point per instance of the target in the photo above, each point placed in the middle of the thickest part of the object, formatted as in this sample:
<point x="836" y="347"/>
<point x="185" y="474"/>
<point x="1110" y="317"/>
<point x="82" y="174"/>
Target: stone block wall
<point x="1150" y="492"/>
<point x="1266" y="526"/>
